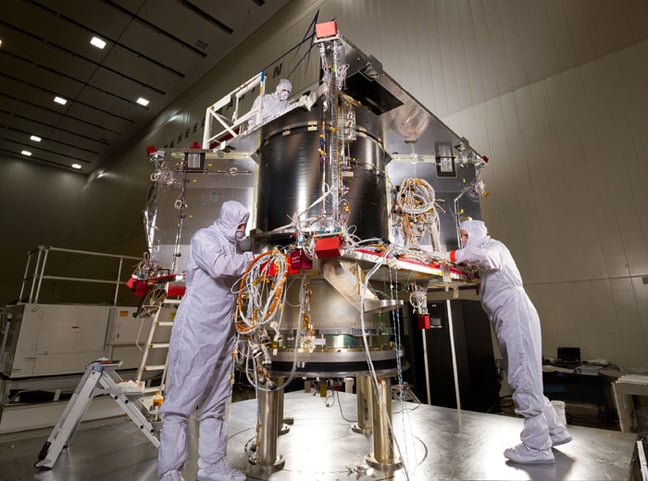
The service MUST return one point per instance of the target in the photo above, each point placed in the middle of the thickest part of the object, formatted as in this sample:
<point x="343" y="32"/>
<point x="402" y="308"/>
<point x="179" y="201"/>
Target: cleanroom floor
<point x="433" y="442"/>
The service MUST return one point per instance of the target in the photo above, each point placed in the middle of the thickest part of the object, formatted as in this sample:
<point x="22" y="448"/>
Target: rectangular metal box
<point x="58" y="339"/>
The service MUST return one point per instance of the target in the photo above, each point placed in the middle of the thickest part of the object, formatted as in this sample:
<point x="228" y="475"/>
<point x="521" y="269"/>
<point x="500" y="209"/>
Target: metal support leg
<point x="383" y="457"/>
<point x="363" y="400"/>
<point x="284" y="428"/>
<point x="268" y="431"/>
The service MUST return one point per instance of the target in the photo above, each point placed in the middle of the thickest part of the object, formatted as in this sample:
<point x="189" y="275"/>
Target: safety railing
<point x="36" y="268"/>
<point x="230" y="126"/>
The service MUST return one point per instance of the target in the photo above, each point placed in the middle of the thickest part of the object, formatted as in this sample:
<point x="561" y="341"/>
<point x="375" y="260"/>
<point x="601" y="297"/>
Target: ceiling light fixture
<point x="76" y="166"/>
<point x="26" y="153"/>
<point x="97" y="42"/>
<point x="142" y="101"/>
<point x="60" y="100"/>
<point x="35" y="138"/>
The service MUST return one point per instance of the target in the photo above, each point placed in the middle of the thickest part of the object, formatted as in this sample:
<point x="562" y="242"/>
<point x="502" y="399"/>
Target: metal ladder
<point x="99" y="378"/>
<point x="150" y="309"/>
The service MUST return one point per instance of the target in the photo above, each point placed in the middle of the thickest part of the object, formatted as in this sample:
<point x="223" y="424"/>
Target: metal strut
<point x="99" y="378"/>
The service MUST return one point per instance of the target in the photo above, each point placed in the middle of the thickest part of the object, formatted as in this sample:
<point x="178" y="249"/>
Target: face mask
<point x="283" y="95"/>
<point x="239" y="235"/>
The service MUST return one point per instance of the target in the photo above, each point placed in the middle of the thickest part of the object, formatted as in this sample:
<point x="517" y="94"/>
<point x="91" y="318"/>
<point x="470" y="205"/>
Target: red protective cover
<point x="326" y="29"/>
<point x="139" y="287"/>
<point x="423" y="321"/>
<point x="176" y="290"/>
<point x="328" y="247"/>
<point x="299" y="262"/>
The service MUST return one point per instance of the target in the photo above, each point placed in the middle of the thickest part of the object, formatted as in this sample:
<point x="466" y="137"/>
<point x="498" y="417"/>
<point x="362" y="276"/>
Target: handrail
<point x="230" y="124"/>
<point x="36" y="277"/>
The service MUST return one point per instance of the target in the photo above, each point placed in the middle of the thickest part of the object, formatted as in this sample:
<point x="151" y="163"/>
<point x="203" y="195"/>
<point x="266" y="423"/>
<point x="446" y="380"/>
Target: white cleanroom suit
<point x="200" y="352"/>
<point x="517" y="327"/>
<point x="274" y="104"/>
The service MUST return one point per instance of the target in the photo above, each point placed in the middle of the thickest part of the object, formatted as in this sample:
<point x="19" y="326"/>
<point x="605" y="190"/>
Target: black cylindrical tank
<point x="290" y="172"/>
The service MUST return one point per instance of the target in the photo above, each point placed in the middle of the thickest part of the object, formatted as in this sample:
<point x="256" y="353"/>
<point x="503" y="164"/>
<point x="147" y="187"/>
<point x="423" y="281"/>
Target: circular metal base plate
<point x="278" y="464"/>
<point x="360" y="430"/>
<point x="371" y="461"/>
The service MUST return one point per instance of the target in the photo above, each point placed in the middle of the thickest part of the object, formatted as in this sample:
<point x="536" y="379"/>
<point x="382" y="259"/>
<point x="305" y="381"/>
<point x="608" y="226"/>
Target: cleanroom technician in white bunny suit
<point x="200" y="352"/>
<point x="274" y="104"/>
<point x="517" y="326"/>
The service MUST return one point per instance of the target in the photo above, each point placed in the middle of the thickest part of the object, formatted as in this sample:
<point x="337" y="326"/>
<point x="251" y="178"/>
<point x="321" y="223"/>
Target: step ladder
<point x="99" y="378"/>
<point x="150" y="309"/>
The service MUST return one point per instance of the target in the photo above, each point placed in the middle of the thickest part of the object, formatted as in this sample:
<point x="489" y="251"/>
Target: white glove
<point x="306" y="102"/>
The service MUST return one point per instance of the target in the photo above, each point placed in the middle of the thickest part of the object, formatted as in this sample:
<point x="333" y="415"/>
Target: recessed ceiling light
<point x="97" y="42"/>
<point x="35" y="138"/>
<point x="76" y="166"/>
<point x="26" y="153"/>
<point x="143" y="101"/>
<point x="60" y="100"/>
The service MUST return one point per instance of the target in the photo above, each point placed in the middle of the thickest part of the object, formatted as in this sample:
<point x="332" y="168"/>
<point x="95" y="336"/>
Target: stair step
<point x="154" y="367"/>
<point x="151" y="389"/>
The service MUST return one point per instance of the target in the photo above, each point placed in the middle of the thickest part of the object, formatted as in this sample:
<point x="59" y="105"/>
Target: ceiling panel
<point x="89" y="129"/>
<point x="61" y="156"/>
<point x="155" y="49"/>
<point x="11" y="87"/>
<point x="163" y="50"/>
<point x="61" y="152"/>
<point x="75" y="141"/>
<point x="54" y="28"/>
<point x="24" y="126"/>
<point x="111" y="106"/>
<point x="38" y="51"/>
<point x="139" y="71"/>
<point x="16" y="142"/>
<point x="7" y="147"/>
<point x="96" y="16"/>
<point x="36" y="111"/>
<point x="22" y="72"/>
<point x="93" y="117"/>
<point x="198" y="28"/>
<point x="127" y="88"/>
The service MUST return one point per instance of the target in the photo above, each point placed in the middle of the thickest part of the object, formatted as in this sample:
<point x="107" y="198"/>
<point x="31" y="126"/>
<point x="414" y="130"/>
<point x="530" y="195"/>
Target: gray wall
<point x="555" y="92"/>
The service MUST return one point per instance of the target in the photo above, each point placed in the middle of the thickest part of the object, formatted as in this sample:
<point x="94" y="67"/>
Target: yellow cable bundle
<point x="261" y="290"/>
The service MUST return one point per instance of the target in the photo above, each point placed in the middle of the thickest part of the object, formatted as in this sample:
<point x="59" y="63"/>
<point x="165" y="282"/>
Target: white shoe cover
<point x="222" y="471"/>
<point x="523" y="454"/>
<point x="172" y="476"/>
<point x="562" y="437"/>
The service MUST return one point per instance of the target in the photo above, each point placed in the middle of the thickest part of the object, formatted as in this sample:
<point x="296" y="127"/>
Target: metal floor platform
<point x="434" y="443"/>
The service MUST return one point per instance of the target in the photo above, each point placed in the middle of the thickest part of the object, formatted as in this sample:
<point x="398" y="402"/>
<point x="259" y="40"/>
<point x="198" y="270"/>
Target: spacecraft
<point x="354" y="191"/>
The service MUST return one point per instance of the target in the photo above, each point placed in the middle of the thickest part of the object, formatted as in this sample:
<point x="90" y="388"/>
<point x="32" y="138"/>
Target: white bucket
<point x="559" y="407"/>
